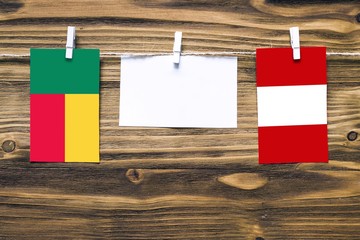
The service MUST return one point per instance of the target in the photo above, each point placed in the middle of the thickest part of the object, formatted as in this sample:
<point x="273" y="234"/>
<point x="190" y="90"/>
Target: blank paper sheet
<point x="200" y="92"/>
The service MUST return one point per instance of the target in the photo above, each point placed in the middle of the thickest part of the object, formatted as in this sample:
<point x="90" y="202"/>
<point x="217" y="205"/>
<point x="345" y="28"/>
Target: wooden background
<point x="180" y="183"/>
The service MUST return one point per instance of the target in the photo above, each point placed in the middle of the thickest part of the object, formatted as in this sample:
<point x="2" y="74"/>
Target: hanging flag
<point x="292" y="107"/>
<point x="64" y="105"/>
<point x="199" y="92"/>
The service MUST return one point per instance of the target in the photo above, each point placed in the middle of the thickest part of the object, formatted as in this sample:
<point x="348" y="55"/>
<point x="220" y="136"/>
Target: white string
<point x="182" y="53"/>
<point x="121" y="54"/>
<point x="14" y="55"/>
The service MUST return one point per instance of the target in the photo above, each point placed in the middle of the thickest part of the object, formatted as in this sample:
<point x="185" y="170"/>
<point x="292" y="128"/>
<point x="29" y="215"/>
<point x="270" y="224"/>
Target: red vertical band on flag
<point x="276" y="67"/>
<point x="47" y="127"/>
<point x="293" y="144"/>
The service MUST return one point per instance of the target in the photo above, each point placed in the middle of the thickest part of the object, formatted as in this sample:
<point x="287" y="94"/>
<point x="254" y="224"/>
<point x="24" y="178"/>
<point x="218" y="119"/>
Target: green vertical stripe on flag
<point x="52" y="73"/>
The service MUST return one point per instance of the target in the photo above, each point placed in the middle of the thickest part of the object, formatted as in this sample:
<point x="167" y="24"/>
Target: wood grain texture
<point x="165" y="183"/>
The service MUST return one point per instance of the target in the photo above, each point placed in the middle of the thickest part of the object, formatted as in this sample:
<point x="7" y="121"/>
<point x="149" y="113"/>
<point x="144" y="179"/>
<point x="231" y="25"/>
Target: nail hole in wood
<point x="135" y="176"/>
<point x="8" y="146"/>
<point x="352" y="136"/>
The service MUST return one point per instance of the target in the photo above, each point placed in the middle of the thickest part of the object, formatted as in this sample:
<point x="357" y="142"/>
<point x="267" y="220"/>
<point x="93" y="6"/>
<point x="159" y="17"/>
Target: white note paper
<point x="200" y="92"/>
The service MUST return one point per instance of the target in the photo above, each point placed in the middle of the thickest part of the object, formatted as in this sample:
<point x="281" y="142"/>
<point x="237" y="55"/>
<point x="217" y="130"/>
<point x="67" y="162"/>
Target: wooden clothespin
<point x="70" y="42"/>
<point x="295" y="42"/>
<point x="177" y="47"/>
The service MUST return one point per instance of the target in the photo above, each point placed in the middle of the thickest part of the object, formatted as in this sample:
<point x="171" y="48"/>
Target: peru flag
<point x="292" y="107"/>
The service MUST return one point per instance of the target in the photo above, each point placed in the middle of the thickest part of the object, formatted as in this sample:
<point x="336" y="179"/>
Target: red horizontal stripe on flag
<point x="47" y="127"/>
<point x="293" y="144"/>
<point x="276" y="67"/>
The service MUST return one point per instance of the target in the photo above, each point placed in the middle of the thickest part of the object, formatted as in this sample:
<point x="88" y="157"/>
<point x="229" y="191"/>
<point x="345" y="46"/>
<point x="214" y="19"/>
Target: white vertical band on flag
<point x="292" y="105"/>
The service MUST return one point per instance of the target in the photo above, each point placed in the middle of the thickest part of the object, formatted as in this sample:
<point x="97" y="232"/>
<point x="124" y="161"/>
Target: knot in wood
<point x="8" y="146"/>
<point x="135" y="176"/>
<point x="352" y="136"/>
<point x="358" y="18"/>
<point x="245" y="181"/>
<point x="259" y="238"/>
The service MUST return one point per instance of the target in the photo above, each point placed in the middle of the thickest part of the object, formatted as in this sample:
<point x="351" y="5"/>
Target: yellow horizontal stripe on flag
<point x="82" y="128"/>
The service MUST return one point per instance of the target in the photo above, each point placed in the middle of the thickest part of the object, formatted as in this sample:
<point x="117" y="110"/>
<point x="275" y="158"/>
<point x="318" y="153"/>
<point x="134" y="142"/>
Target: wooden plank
<point x="90" y="201"/>
<point x="187" y="147"/>
<point x="180" y="183"/>
<point x="144" y="26"/>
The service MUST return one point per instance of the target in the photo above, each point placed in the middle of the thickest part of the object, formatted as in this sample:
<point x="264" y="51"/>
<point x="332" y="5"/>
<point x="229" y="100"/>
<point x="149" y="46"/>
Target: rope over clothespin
<point x="177" y="47"/>
<point x="70" y="42"/>
<point x="295" y="42"/>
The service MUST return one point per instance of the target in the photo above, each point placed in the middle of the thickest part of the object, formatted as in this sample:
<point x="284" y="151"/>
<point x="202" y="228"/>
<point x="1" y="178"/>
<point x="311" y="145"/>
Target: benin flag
<point x="292" y="110"/>
<point x="64" y="105"/>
